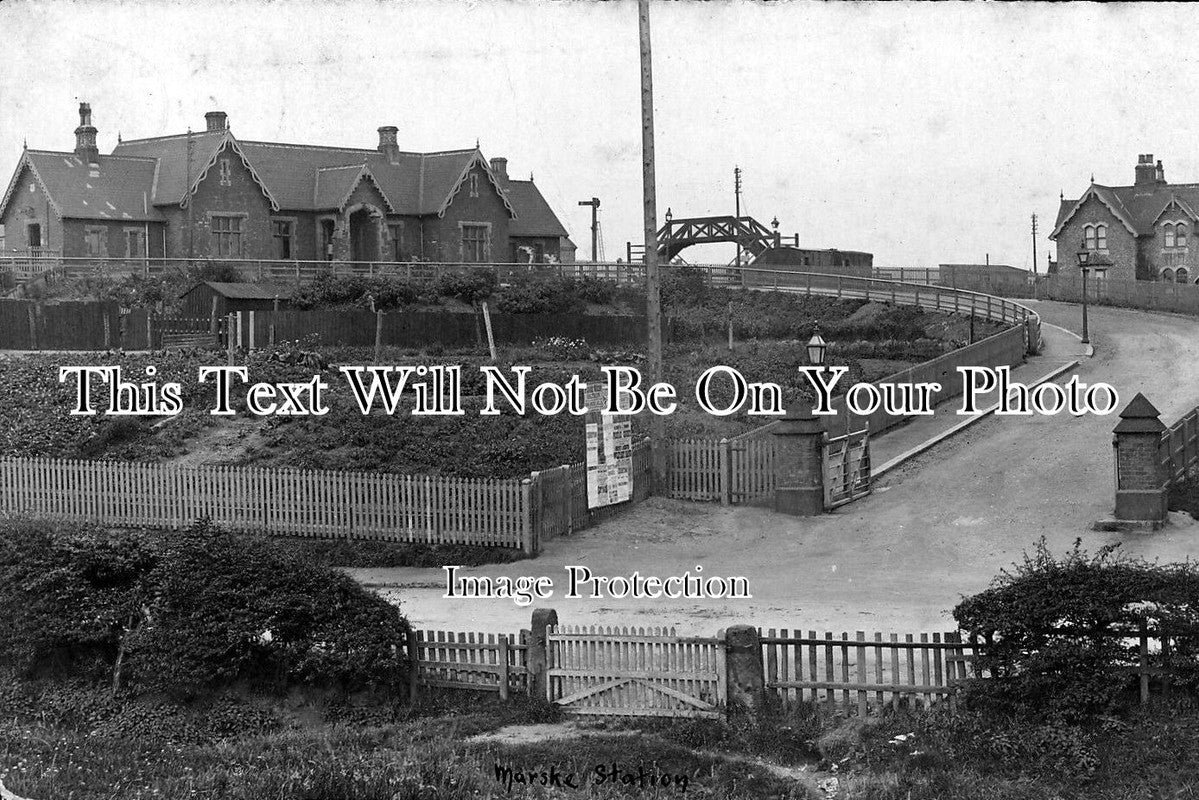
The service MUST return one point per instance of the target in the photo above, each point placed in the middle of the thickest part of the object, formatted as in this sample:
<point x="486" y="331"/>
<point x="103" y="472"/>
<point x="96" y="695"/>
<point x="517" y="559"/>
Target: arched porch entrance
<point x="365" y="226"/>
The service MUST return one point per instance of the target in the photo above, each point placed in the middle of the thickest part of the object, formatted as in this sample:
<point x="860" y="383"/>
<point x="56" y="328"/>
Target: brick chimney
<point x="1145" y="172"/>
<point x="389" y="142"/>
<point x="1160" y="173"/>
<point x="500" y="167"/>
<point x="217" y="120"/>
<point x="85" y="136"/>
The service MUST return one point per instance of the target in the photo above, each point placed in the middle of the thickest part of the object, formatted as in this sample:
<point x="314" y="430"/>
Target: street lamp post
<point x="816" y="349"/>
<point x="1083" y="264"/>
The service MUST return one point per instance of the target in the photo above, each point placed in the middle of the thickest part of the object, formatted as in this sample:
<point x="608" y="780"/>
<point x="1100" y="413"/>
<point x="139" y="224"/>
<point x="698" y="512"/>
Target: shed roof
<point x="247" y="291"/>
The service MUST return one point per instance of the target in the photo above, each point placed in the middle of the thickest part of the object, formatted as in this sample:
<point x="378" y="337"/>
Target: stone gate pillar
<point x="1142" y="484"/>
<point x="799" y="463"/>
<point x="745" y="682"/>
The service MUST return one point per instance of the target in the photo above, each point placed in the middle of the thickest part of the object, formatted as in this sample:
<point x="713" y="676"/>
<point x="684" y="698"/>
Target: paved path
<point x="1062" y="350"/>
<point x="935" y="528"/>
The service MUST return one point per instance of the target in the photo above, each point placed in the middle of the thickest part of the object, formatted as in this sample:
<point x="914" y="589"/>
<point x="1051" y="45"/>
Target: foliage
<point x="180" y="612"/>
<point x="471" y="287"/>
<point x="540" y="295"/>
<point x="1057" y="630"/>
<point x="1184" y="496"/>
<point x="563" y="348"/>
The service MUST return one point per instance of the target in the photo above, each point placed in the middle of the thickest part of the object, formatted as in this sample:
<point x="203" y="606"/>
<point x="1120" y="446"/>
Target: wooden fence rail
<point x="355" y="505"/>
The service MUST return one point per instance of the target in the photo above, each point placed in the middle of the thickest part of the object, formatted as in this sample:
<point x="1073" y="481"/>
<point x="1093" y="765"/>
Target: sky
<point x="923" y="133"/>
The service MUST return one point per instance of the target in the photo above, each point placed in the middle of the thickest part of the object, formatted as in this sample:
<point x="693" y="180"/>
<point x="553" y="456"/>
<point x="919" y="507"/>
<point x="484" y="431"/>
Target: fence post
<point x="1144" y="663"/>
<point x="537" y="654"/>
<point x="745" y="683"/>
<point x="725" y="465"/>
<point x="527" y="526"/>
<point x="503" y="659"/>
<point x="413" y="664"/>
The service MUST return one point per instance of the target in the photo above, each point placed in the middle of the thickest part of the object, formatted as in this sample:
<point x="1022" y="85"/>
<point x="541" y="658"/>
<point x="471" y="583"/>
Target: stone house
<point x="1142" y="232"/>
<point x="209" y="194"/>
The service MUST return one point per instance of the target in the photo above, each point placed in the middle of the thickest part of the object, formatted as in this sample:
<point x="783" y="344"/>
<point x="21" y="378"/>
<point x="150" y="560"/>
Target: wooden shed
<point x="205" y="299"/>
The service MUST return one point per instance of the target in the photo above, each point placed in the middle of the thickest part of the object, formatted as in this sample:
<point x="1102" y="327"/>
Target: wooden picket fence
<point x="559" y="495"/>
<point x="353" y="505"/>
<point x="484" y="662"/>
<point x="861" y="672"/>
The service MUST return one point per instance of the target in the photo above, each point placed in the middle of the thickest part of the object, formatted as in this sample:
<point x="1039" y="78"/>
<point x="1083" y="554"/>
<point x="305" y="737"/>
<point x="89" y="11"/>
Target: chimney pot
<point x="85" y="136"/>
<point x="1145" y="171"/>
<point x="216" y="120"/>
<point x="500" y="167"/>
<point x="389" y="142"/>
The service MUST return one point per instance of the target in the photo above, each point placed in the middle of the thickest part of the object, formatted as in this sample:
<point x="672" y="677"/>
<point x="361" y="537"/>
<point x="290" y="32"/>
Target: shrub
<point x="182" y="612"/>
<point x="540" y="295"/>
<point x="470" y="287"/>
<point x="1057" y="630"/>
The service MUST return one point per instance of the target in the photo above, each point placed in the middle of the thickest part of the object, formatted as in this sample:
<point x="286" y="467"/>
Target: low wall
<point x="1001" y="350"/>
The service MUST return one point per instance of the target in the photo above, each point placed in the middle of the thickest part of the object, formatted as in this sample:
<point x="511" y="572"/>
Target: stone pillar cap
<point x="1139" y="416"/>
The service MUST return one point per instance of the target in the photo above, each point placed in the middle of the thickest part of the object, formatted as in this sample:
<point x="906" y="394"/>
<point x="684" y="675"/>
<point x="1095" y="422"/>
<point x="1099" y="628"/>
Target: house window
<point x="395" y="233"/>
<point x="1181" y="275"/>
<point x="1168" y="231"/>
<point x="1180" y="235"/>
<point x="33" y="234"/>
<point x="226" y="237"/>
<point x="226" y="173"/>
<point x="1" y="235"/>
<point x="474" y="185"/>
<point x="135" y="243"/>
<point x="281" y="232"/>
<point x="93" y="242"/>
<point x="475" y="243"/>
<point x="1094" y="237"/>
<point x="1168" y="275"/>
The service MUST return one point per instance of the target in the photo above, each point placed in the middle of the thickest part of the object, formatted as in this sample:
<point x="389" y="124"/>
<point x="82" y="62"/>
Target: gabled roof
<point x="143" y="175"/>
<point x="308" y="177"/>
<point x="1138" y="208"/>
<point x="535" y="217"/>
<point x="115" y="188"/>
<point x="334" y="185"/>
<point x="248" y="291"/>
<point x="1175" y="203"/>
<point x="176" y="178"/>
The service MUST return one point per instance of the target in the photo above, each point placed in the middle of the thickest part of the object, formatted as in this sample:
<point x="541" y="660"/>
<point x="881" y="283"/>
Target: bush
<point x="183" y="612"/>
<point x="540" y="295"/>
<point x="470" y="287"/>
<point x="1057" y="631"/>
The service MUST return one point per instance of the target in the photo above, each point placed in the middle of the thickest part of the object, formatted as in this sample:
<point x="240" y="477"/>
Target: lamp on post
<point x="1084" y="257"/>
<point x="816" y="349"/>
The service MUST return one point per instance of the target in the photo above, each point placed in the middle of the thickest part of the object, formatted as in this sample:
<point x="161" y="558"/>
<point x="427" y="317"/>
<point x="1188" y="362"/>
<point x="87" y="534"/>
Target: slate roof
<point x="144" y="173"/>
<point x="248" y="291"/>
<point x="534" y="215"/>
<point x="117" y="188"/>
<point x="1137" y="207"/>
<point x="309" y="177"/>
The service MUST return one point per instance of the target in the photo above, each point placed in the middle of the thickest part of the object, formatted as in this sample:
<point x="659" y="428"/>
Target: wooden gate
<point x="635" y="672"/>
<point x="846" y="468"/>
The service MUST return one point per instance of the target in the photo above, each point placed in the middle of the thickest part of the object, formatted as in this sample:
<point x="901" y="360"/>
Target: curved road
<point x="937" y="527"/>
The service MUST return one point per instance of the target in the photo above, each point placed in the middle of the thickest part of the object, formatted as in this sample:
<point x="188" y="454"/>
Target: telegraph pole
<point x="653" y="297"/>
<point x="595" y="204"/>
<point x="737" y="224"/>
<point x="1034" y="244"/>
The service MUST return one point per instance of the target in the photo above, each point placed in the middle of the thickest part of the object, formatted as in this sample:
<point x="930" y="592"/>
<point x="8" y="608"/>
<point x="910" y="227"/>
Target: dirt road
<point x="936" y="528"/>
